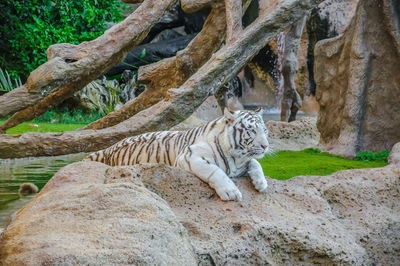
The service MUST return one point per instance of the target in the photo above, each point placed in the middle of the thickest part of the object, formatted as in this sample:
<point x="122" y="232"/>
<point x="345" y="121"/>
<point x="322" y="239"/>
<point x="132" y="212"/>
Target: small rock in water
<point x="28" y="188"/>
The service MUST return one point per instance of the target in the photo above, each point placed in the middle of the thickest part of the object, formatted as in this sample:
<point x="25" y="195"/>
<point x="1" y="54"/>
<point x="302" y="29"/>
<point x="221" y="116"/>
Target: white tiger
<point x="223" y="148"/>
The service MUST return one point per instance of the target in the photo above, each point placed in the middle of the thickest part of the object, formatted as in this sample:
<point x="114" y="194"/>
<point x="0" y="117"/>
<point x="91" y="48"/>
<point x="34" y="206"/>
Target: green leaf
<point x="143" y="53"/>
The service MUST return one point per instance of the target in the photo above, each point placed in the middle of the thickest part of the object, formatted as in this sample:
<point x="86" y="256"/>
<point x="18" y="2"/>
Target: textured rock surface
<point x="87" y="215"/>
<point x="358" y="81"/>
<point x="349" y="218"/>
<point x="338" y="13"/>
<point x="294" y="136"/>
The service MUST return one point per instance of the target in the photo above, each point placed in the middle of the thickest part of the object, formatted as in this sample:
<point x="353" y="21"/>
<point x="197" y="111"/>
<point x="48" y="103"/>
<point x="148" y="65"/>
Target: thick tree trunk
<point x="291" y="100"/>
<point x="179" y="103"/>
<point x="71" y="67"/>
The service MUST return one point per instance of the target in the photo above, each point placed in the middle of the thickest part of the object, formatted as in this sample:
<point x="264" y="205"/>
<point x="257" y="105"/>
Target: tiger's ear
<point x="259" y="111"/>
<point x="229" y="115"/>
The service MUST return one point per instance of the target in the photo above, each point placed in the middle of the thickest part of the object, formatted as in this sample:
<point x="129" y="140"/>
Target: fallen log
<point x="179" y="103"/>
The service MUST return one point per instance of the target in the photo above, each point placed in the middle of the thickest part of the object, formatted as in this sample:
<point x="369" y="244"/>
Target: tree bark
<point x="233" y="19"/>
<point x="71" y="67"/>
<point x="178" y="104"/>
<point x="190" y="6"/>
<point x="291" y="100"/>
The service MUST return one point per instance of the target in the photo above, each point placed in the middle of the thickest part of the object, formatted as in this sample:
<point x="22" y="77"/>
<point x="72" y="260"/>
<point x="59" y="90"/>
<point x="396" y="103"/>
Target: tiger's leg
<point x="257" y="175"/>
<point x="211" y="174"/>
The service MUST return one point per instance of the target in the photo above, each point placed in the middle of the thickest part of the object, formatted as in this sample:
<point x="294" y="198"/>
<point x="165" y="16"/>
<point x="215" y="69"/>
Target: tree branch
<point x="171" y="72"/>
<point x="191" y="6"/>
<point x="179" y="104"/>
<point x="233" y="19"/>
<point x="291" y="100"/>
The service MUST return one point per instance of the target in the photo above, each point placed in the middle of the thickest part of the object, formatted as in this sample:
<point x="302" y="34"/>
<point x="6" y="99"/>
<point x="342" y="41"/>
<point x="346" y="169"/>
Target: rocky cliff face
<point x="92" y="214"/>
<point x="357" y="76"/>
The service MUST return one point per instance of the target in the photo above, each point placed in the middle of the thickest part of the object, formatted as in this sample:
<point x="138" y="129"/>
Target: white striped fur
<point x="223" y="148"/>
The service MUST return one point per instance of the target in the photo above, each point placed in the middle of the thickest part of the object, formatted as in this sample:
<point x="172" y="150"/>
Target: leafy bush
<point x="373" y="156"/>
<point x="68" y="117"/>
<point x="28" y="28"/>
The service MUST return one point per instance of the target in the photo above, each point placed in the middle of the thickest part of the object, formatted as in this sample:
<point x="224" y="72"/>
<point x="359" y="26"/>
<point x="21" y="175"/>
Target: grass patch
<point x="287" y="164"/>
<point x="43" y="127"/>
<point x="56" y="121"/>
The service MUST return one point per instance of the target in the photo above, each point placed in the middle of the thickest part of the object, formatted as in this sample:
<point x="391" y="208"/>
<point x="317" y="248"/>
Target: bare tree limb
<point x="191" y="6"/>
<point x="71" y="67"/>
<point x="233" y="19"/>
<point x="171" y="72"/>
<point x="179" y="104"/>
<point x="291" y="100"/>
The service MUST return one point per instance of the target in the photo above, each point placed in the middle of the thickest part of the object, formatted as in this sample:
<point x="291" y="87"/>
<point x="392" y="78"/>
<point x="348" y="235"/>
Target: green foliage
<point x="381" y="156"/>
<point x="7" y="83"/>
<point x="28" y="28"/>
<point x="68" y="117"/>
<point x="287" y="164"/>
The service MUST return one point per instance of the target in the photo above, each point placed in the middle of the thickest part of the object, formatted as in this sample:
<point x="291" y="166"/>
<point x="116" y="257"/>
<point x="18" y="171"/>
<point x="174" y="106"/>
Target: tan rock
<point x="394" y="157"/>
<point x="90" y="214"/>
<point x="294" y="136"/>
<point x="338" y="13"/>
<point x="358" y="82"/>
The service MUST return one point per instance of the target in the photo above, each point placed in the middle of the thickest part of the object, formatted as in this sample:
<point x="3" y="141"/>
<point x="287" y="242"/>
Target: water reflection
<point x="14" y="172"/>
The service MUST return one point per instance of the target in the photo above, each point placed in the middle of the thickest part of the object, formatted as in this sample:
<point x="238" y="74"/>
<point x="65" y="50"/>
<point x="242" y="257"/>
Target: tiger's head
<point x="247" y="133"/>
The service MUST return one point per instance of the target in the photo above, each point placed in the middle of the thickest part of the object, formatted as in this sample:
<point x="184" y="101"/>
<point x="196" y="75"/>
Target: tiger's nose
<point x="263" y="146"/>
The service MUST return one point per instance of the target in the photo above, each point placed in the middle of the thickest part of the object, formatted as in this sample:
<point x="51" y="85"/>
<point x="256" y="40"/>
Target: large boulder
<point x="87" y="216"/>
<point x="358" y="82"/>
<point x="90" y="213"/>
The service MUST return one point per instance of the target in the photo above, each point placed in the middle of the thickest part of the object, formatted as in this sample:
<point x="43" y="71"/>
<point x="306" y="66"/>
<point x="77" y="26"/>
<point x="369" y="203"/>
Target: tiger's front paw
<point x="229" y="192"/>
<point x="261" y="184"/>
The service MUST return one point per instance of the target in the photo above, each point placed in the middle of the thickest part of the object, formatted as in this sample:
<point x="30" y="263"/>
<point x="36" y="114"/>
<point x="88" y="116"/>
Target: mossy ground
<point x="286" y="164"/>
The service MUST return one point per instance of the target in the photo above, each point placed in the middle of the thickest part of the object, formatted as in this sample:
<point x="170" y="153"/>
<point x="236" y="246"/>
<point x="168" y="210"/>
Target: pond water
<point x="275" y="114"/>
<point x="14" y="172"/>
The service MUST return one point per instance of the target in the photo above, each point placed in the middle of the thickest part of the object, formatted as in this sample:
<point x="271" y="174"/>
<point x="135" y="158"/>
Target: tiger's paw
<point x="229" y="193"/>
<point x="261" y="184"/>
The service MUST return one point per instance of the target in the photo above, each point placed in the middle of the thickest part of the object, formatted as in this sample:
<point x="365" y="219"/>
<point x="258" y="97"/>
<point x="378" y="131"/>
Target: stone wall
<point x="358" y="82"/>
